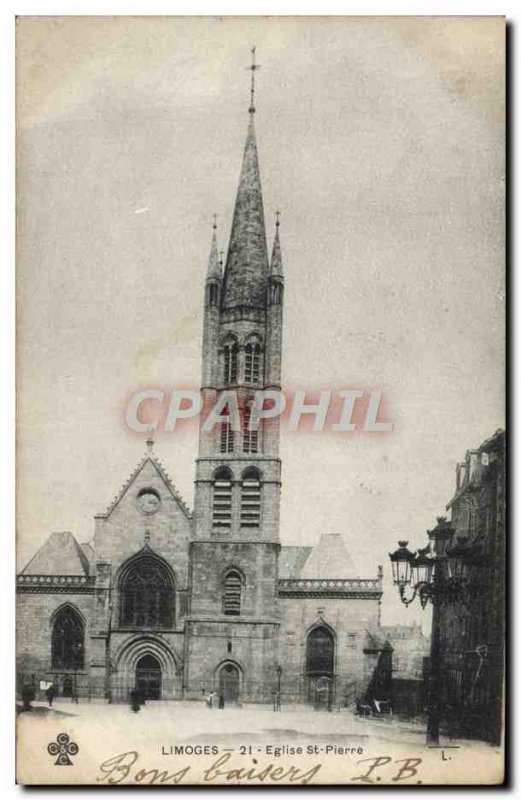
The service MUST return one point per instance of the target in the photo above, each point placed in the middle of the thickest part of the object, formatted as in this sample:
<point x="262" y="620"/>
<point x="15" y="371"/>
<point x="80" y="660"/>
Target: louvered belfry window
<point x="222" y="500"/>
<point x="232" y="591"/>
<point x="252" y="362"/>
<point x="230" y="362"/>
<point x="147" y="595"/>
<point x="250" y="499"/>
<point x="250" y="438"/>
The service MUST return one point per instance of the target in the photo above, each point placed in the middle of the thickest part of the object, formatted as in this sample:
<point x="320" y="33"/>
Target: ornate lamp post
<point x="78" y="660"/>
<point x="437" y="573"/>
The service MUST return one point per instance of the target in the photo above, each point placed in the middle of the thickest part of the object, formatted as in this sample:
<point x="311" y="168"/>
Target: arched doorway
<point x="148" y="677"/>
<point x="230" y="683"/>
<point x="320" y="667"/>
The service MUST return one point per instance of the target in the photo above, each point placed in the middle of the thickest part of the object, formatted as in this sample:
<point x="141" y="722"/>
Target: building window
<point x="147" y="595"/>
<point x="250" y="439"/>
<point x="252" y="362"/>
<point x="250" y="499"/>
<point x="222" y="499"/>
<point x="227" y="434"/>
<point x="213" y="294"/>
<point x="68" y="638"/>
<point x="232" y="591"/>
<point x="230" y="362"/>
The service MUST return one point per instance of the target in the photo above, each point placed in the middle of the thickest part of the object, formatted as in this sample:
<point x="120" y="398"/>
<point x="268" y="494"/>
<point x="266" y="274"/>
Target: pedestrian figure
<point x="135" y="700"/>
<point x="27" y="697"/>
<point x="221" y="700"/>
<point x="210" y="700"/>
<point x="51" y="694"/>
<point x="74" y="697"/>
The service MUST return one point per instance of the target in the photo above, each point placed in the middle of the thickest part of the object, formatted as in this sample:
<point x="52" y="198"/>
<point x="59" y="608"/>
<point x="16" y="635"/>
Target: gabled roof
<point x="59" y="555"/>
<point x="292" y="559"/>
<point x="89" y="551"/>
<point x="149" y="457"/>
<point x="329" y="559"/>
<point x="246" y="269"/>
<point x="375" y="642"/>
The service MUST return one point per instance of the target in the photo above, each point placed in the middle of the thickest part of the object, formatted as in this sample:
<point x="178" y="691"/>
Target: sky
<point x="381" y="142"/>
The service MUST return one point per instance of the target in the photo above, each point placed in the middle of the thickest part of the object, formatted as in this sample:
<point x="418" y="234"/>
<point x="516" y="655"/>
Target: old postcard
<point x="261" y="445"/>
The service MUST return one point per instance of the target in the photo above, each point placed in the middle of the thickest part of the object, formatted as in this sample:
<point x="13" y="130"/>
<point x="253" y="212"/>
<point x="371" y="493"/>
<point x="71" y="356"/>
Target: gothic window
<point x="250" y="499"/>
<point x="147" y="595"/>
<point x="222" y="499"/>
<point x="227" y="437"/>
<point x="320" y="649"/>
<point x="250" y="438"/>
<point x="232" y="591"/>
<point x="68" y="636"/>
<point x="252" y="362"/>
<point x="230" y="362"/>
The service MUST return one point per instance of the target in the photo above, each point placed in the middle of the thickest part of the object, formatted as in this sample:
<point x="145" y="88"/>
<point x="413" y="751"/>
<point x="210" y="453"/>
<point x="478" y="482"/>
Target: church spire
<point x="214" y="267"/>
<point x="247" y="261"/>
<point x="276" y="256"/>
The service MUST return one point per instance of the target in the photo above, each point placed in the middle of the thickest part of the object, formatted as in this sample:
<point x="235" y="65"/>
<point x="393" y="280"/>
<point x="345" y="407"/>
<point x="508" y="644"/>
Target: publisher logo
<point x="63" y="748"/>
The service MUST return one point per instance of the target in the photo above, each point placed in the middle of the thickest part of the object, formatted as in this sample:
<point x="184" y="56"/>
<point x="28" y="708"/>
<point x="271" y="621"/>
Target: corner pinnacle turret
<point x="214" y="267"/>
<point x="276" y="255"/>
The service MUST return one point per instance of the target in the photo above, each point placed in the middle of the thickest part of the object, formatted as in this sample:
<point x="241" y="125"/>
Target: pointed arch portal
<point x="148" y="677"/>
<point x="230" y="682"/>
<point x="320" y="666"/>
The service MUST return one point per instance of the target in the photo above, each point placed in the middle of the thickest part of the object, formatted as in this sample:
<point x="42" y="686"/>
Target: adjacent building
<point x="472" y="629"/>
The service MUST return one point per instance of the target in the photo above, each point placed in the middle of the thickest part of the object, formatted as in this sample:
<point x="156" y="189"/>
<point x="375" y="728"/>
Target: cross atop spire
<point x="277" y="218"/>
<point x="214" y="226"/>
<point x="254" y="66"/>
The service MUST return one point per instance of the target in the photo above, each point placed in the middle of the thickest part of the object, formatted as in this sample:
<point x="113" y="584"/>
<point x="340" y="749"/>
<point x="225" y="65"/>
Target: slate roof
<point x="329" y="559"/>
<point x="59" y="555"/>
<point x="246" y="269"/>
<point x="291" y="560"/>
<point x="89" y="551"/>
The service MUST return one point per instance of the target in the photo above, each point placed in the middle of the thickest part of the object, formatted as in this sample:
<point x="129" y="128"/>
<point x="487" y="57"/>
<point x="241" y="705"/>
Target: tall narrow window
<point x="222" y="499"/>
<point x="227" y="434"/>
<point x="68" y="636"/>
<point x="232" y="591"/>
<point x="250" y="438"/>
<point x="147" y="595"/>
<point x="250" y="499"/>
<point x="230" y="362"/>
<point x="252" y="362"/>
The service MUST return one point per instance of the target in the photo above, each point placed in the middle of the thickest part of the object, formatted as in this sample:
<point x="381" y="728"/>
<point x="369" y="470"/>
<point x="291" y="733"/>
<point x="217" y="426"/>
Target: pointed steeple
<point x="276" y="256"/>
<point x="247" y="261"/>
<point x="214" y="267"/>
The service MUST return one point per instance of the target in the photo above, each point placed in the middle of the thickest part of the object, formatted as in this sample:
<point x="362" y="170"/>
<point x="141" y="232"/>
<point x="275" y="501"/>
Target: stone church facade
<point x="177" y="602"/>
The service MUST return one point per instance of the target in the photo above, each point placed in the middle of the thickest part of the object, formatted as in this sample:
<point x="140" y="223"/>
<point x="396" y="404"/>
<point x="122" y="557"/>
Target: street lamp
<point x="77" y="660"/>
<point x="277" y="698"/>
<point x="437" y="573"/>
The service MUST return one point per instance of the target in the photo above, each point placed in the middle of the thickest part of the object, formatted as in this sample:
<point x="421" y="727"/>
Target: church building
<point x="179" y="602"/>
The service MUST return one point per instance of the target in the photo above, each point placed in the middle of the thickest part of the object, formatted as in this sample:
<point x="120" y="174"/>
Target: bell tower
<point x="234" y="552"/>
